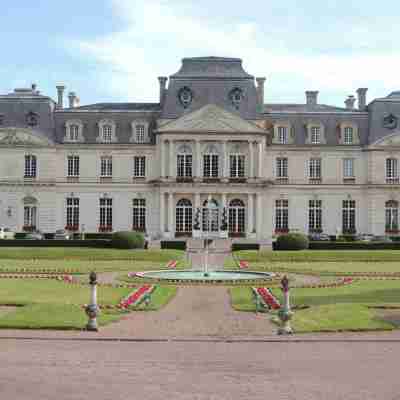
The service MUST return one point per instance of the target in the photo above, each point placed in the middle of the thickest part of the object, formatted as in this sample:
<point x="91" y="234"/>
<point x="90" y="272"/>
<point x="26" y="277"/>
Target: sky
<point x="114" y="50"/>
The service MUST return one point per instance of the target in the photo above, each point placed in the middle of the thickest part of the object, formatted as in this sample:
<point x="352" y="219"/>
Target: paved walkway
<point x="194" y="311"/>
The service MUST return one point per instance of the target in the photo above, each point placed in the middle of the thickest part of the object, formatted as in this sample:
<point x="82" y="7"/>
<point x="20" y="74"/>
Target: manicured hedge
<point x="354" y="246"/>
<point x="127" y="240"/>
<point x="291" y="241"/>
<point x="245" y="246"/>
<point x="173" y="244"/>
<point x="55" y="243"/>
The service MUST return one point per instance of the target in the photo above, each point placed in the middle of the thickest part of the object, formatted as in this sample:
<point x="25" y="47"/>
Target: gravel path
<point x="195" y="311"/>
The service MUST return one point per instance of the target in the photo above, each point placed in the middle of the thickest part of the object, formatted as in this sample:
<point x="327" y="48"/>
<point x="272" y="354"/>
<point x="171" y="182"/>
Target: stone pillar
<point x="162" y="213"/>
<point x="171" y="213"/>
<point x="198" y="159"/>
<point x="171" y="160"/>
<point x="162" y="157"/>
<point x="259" y="214"/>
<point x="225" y="166"/>
<point x="223" y="200"/>
<point x="251" y="160"/>
<point x="260" y="159"/>
<point x="250" y="214"/>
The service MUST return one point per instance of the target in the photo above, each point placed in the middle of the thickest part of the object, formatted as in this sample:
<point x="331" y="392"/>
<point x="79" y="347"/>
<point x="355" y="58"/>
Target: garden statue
<point x="92" y="309"/>
<point x="285" y="314"/>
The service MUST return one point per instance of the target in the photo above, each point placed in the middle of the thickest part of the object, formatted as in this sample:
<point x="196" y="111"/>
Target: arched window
<point x="210" y="216"/>
<point x="236" y="217"/>
<point x="30" y="214"/>
<point x="184" y="216"/>
<point x="107" y="133"/>
<point x="392" y="216"/>
<point x="184" y="160"/>
<point x="139" y="215"/>
<point x="73" y="133"/>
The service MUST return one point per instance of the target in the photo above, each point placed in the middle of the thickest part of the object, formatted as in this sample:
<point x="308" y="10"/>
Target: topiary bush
<point x="292" y="241"/>
<point x="127" y="240"/>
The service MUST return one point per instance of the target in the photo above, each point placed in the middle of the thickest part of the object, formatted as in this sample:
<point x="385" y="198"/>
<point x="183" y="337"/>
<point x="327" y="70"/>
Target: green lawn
<point x="333" y="309"/>
<point x="51" y="304"/>
<point x="88" y="254"/>
<point x="317" y="256"/>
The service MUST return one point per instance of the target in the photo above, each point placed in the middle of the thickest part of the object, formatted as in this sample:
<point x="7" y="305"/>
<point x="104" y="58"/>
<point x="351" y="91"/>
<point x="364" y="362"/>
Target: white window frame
<point x="283" y="134"/>
<point x="349" y="216"/>
<point x="392" y="216"/>
<point x="315" y="215"/>
<point x="237" y="165"/>
<point x="106" y="212"/>
<point x="73" y="166"/>
<point x="348" y="135"/>
<point x="392" y="170"/>
<point x="106" y="167"/>
<point x="75" y="125"/>
<point x="139" y="139"/>
<point x="31" y="166"/>
<point x="210" y="165"/>
<point x="281" y="215"/>
<point x="30" y="216"/>
<point x="139" y="166"/>
<point x="184" y="165"/>
<point x="282" y="165"/>
<point x="315" y="168"/>
<point x="110" y="126"/>
<point x="72" y="212"/>
<point x="139" y="214"/>
<point x="348" y="168"/>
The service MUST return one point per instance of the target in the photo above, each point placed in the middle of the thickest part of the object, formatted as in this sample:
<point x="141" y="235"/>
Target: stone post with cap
<point x="92" y="309"/>
<point x="285" y="314"/>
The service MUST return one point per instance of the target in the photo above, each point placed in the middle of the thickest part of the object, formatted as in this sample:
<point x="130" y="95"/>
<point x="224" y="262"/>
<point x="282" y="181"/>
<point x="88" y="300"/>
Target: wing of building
<point x="210" y="156"/>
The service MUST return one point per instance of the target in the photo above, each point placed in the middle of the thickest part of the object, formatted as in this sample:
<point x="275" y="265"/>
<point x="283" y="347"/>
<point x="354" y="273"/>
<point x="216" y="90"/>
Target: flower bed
<point x="136" y="296"/>
<point x="267" y="298"/>
<point x="243" y="264"/>
<point x="172" y="264"/>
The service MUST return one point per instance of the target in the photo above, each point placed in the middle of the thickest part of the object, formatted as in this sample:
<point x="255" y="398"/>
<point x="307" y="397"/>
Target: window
<point x="348" y="135"/>
<point x="30" y="166"/>
<point x="348" y="168"/>
<point x="315" y="168"/>
<point x="107" y="133"/>
<point x="315" y="215"/>
<point x="140" y="131"/>
<point x="391" y="170"/>
<point x="391" y="216"/>
<point x="282" y="134"/>
<point x="72" y="214"/>
<point x="184" y="215"/>
<point x="210" y="169"/>
<point x="349" y="216"/>
<point x="281" y="215"/>
<point x="237" y="165"/>
<point x="73" y="166"/>
<point x="30" y="213"/>
<point x="282" y="168"/>
<point x="236" y="219"/>
<point x="106" y="215"/>
<point x="315" y="135"/>
<point x="139" y="215"/>
<point x="139" y="166"/>
<point x="73" y="133"/>
<point x="106" y="167"/>
<point x="184" y="165"/>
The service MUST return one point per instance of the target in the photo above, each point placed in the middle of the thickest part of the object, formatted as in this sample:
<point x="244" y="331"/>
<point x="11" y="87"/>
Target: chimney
<point x="350" y="102"/>
<point x="362" y="98"/>
<point x="60" y="95"/>
<point x="33" y="86"/>
<point x="260" y="90"/>
<point x="73" y="100"/>
<point x="163" y="88"/>
<point x="312" y="97"/>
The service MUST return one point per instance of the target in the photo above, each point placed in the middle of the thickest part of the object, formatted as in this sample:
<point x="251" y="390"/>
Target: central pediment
<point x="210" y="119"/>
<point x="23" y="137"/>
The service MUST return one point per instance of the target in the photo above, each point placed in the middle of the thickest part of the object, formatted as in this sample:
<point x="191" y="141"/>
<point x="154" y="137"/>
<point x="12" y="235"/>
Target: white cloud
<point x="156" y="34"/>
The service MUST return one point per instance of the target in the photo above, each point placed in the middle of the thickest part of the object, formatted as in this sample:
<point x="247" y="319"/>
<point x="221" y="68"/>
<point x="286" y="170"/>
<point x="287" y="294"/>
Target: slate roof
<point x="210" y="118"/>
<point x="119" y="107"/>
<point x="304" y="108"/>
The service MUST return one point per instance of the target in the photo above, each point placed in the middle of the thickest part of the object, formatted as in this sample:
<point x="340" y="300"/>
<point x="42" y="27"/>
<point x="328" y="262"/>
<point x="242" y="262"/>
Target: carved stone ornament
<point x="22" y="137"/>
<point x="236" y="96"/>
<point x="390" y="121"/>
<point x="185" y="96"/>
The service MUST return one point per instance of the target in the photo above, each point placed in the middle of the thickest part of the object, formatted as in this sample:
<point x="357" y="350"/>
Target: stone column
<point x="171" y="214"/>
<point x="251" y="160"/>
<point x="198" y="161"/>
<point x="225" y="165"/>
<point x="259" y="214"/>
<point x="250" y="214"/>
<point x="162" y="157"/>
<point x="171" y="160"/>
<point x="260" y="159"/>
<point x="162" y="213"/>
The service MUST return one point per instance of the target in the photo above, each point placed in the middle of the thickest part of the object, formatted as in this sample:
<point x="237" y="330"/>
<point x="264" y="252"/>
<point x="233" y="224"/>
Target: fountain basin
<point x="209" y="276"/>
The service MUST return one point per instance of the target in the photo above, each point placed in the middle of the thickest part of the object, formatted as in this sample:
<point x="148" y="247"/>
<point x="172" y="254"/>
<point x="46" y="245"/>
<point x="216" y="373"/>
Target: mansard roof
<point x="210" y="118"/>
<point x="117" y="107"/>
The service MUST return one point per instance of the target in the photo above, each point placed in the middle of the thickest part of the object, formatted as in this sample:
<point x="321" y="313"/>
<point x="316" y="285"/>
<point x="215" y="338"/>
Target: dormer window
<point x="139" y="131"/>
<point x="315" y="133"/>
<point x="1" y="120"/>
<point x="73" y="131"/>
<point x="282" y="134"/>
<point x="107" y="130"/>
<point x="348" y="135"/>
<point x="32" y="119"/>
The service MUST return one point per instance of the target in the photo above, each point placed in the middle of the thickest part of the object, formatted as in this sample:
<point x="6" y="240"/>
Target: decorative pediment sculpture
<point x="22" y="137"/>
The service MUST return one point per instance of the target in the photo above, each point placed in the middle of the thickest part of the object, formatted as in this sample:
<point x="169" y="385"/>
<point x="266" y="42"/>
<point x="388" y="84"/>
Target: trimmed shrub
<point x="245" y="246"/>
<point x="55" y="243"/>
<point x="354" y="246"/>
<point x="98" y="235"/>
<point x="127" y="240"/>
<point x="173" y="244"/>
<point x="292" y="241"/>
